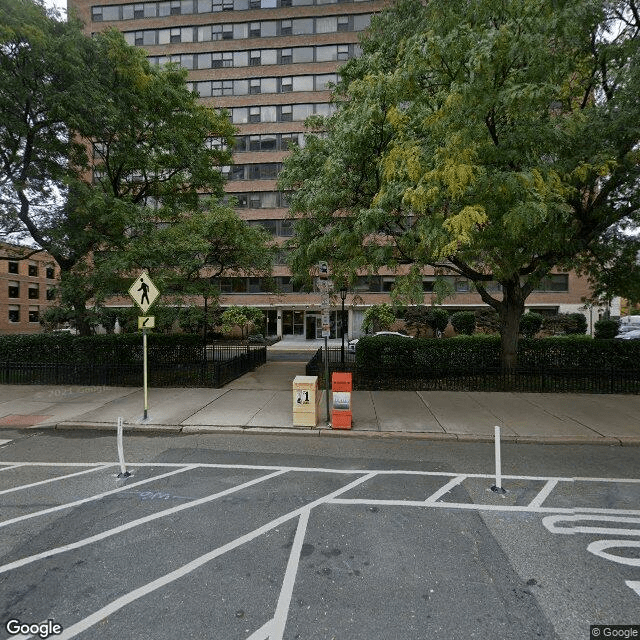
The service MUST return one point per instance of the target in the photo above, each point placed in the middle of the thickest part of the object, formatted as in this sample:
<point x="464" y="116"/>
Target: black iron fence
<point x="605" y="379"/>
<point x="212" y="366"/>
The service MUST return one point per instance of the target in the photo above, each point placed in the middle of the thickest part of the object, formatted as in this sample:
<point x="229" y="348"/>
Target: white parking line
<point x="98" y="496"/>
<point x="134" y="523"/>
<point x="544" y="493"/>
<point x="284" y="601"/>
<point x="13" y="466"/>
<point x="454" y="482"/>
<point x="123" y="601"/>
<point x="69" y="475"/>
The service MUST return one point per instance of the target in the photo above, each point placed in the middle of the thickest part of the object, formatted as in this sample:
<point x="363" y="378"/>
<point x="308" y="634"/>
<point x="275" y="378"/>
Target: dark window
<point x="34" y="293"/>
<point x="13" y="267"/>
<point x="14" y="315"/>
<point x="14" y="290"/>
<point x="50" y="272"/>
<point x="33" y="269"/>
<point x="34" y="315"/>
<point x="51" y="294"/>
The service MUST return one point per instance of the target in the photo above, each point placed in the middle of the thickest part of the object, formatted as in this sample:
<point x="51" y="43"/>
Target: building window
<point x="555" y="282"/>
<point x="13" y="267"/>
<point x="34" y="314"/>
<point x="14" y="289"/>
<point x="33" y="269"/>
<point x="14" y="314"/>
<point x="34" y="292"/>
<point x="50" y="273"/>
<point x="51" y="293"/>
<point x="462" y="286"/>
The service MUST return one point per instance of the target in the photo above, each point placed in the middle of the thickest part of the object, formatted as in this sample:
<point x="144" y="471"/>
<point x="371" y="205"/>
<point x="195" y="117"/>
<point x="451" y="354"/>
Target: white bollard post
<point x="497" y="487"/>
<point x="123" y="469"/>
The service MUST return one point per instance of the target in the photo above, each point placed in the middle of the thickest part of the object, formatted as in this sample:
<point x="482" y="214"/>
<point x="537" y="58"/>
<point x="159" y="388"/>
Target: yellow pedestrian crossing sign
<point x="143" y="291"/>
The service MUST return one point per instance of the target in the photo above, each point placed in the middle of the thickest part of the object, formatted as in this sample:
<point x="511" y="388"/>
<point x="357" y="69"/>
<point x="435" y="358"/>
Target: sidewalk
<point x="261" y="402"/>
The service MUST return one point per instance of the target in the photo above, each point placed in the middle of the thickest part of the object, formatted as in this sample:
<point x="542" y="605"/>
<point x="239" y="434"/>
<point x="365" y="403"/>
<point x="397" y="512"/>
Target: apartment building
<point x="271" y="64"/>
<point x="26" y="289"/>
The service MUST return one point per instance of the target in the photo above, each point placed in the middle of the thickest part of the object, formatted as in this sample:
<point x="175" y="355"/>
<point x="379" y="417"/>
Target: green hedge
<point x="391" y="355"/>
<point x="48" y="348"/>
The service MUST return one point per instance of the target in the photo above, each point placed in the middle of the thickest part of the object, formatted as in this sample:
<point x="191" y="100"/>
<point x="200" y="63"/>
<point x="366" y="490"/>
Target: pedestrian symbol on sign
<point x="143" y="291"/>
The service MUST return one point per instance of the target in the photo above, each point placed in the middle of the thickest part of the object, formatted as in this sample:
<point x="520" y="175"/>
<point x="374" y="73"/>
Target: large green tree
<point x="105" y="160"/>
<point x="491" y="139"/>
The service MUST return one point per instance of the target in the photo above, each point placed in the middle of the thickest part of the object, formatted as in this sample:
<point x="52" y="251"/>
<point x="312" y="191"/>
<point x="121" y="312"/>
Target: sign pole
<point x="144" y="376"/>
<point x="326" y="375"/>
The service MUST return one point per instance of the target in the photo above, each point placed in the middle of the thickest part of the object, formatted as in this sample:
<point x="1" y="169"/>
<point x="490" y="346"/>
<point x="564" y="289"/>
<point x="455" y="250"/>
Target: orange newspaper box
<point x="341" y="385"/>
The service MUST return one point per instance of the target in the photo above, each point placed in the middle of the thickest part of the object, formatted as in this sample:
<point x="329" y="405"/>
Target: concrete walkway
<point x="262" y="402"/>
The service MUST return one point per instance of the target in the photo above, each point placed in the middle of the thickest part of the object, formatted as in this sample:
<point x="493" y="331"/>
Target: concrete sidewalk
<point x="261" y="402"/>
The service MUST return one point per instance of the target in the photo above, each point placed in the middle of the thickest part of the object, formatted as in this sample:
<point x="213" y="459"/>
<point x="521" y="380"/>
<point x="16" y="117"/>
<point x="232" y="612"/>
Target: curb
<point x="624" y="441"/>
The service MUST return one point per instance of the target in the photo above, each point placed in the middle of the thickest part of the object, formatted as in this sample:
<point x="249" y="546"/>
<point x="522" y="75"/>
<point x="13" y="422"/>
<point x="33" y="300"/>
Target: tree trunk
<point x="511" y="311"/>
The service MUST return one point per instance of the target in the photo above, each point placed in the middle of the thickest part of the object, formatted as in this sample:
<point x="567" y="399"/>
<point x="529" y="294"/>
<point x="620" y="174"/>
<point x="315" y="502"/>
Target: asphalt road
<point x="256" y="537"/>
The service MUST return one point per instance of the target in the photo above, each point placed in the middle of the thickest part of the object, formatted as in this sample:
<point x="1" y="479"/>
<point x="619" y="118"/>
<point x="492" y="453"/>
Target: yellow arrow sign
<point x="146" y="322"/>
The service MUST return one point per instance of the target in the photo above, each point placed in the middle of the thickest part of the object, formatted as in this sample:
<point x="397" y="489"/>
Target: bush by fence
<point x="173" y="360"/>
<point x="572" y="363"/>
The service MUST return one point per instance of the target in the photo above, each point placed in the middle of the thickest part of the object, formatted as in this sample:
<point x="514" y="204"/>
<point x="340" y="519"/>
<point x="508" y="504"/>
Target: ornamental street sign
<point x="143" y="291"/>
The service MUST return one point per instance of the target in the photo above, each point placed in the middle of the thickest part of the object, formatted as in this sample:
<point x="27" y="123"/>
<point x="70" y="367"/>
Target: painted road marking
<point x="454" y="482"/>
<point x="69" y="475"/>
<point x="576" y="521"/>
<point x="135" y="523"/>
<point x="544" y="493"/>
<point x="13" y="466"/>
<point x="123" y="601"/>
<point x="284" y="600"/>
<point x="98" y="496"/>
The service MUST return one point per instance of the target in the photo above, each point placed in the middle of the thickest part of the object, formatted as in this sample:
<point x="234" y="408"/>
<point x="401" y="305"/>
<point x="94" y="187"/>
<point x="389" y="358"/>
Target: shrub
<point x="530" y="324"/>
<point x="378" y="317"/>
<point x="487" y="320"/>
<point x="568" y="323"/>
<point x="605" y="329"/>
<point x="464" y="322"/>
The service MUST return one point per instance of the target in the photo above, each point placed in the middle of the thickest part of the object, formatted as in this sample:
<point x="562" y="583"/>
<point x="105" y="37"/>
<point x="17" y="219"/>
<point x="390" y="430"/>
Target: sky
<point x="61" y="4"/>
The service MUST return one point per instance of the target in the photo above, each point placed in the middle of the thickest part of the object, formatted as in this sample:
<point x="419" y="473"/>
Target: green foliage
<point x="605" y="329"/>
<point x="103" y="349"/>
<point x="530" y="324"/>
<point x="496" y="141"/>
<point x="464" y="322"/>
<point x="487" y="320"/>
<point x="243" y="317"/>
<point x="434" y="318"/>
<point x="378" y="317"/>
<point x="567" y="323"/>
<point x="191" y="319"/>
<point x="146" y="133"/>
<point x="389" y="356"/>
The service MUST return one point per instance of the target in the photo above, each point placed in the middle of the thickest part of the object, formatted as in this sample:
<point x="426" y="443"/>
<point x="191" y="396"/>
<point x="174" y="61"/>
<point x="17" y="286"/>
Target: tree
<point x="243" y="317"/>
<point x="378" y="317"/>
<point x="70" y="104"/>
<point x="493" y="140"/>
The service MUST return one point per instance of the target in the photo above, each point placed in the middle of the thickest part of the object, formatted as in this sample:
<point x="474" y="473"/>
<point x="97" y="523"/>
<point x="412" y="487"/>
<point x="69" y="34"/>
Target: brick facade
<point x="186" y="28"/>
<point x="25" y="285"/>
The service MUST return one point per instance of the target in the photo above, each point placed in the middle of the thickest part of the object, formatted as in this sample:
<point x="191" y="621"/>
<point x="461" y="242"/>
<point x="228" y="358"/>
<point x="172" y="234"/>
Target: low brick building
<point x="26" y="288"/>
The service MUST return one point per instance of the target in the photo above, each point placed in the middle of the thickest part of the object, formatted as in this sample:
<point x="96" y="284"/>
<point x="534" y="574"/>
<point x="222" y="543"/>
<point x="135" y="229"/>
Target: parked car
<point x="633" y="334"/>
<point x="353" y="343"/>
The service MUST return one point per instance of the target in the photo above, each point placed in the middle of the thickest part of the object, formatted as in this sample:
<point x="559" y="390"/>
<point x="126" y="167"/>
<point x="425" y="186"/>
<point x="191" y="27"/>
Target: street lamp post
<point x="343" y="295"/>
